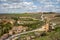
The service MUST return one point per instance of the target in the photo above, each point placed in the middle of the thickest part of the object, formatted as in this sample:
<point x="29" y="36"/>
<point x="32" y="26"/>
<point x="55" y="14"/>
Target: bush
<point x="5" y="28"/>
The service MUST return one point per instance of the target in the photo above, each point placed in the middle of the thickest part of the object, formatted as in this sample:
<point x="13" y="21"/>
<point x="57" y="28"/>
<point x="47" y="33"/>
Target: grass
<point x="33" y="23"/>
<point x="53" y="35"/>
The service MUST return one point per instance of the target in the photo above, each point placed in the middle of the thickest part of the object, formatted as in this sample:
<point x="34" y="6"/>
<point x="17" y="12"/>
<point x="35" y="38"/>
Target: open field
<point x="30" y="21"/>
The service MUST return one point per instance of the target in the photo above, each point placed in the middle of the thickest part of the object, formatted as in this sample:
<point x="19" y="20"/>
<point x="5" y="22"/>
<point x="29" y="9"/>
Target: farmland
<point x="28" y="22"/>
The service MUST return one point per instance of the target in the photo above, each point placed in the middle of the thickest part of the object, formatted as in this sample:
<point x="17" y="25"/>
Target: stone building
<point x="17" y="29"/>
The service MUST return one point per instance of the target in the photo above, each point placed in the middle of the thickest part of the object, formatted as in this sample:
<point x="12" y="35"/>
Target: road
<point x="13" y="37"/>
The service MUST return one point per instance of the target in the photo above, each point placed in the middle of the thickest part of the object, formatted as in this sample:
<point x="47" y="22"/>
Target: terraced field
<point x="32" y="21"/>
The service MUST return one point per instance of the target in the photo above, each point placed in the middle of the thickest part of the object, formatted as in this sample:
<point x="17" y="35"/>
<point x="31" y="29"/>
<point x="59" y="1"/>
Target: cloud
<point x="58" y="0"/>
<point x="49" y="1"/>
<point x="12" y="1"/>
<point x="49" y="5"/>
<point x="3" y="0"/>
<point x="26" y="6"/>
<point x="22" y="5"/>
<point x="29" y="6"/>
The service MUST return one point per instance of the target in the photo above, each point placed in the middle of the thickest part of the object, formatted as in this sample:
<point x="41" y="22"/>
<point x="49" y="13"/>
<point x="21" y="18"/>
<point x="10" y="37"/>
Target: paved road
<point x="13" y="37"/>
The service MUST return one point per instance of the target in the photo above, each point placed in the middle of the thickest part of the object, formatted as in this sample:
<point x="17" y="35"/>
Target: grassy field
<point x="53" y="35"/>
<point x="32" y="21"/>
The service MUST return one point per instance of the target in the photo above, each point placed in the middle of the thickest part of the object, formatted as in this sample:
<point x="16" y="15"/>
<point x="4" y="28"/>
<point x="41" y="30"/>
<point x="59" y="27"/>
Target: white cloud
<point x="3" y="0"/>
<point x="12" y="1"/>
<point x="58" y="0"/>
<point x="49" y="1"/>
<point x="49" y="6"/>
<point x="21" y="5"/>
<point x="27" y="3"/>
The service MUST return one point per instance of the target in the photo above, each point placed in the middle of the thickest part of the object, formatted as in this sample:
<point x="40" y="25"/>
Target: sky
<point x="20" y="6"/>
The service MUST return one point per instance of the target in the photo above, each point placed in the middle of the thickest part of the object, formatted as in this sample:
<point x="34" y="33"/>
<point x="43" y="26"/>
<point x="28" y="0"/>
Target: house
<point x="17" y="29"/>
